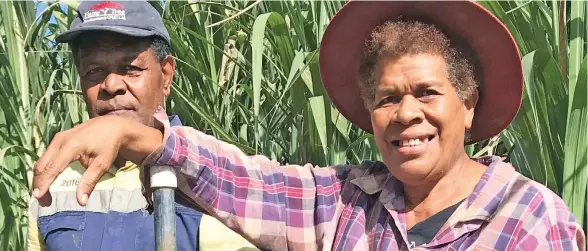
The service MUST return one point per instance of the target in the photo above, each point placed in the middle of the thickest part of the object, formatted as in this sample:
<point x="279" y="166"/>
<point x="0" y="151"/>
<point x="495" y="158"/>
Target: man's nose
<point x="409" y="111"/>
<point x="114" y="84"/>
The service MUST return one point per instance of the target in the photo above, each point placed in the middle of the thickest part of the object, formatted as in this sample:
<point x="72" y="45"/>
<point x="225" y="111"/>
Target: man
<point x="122" y="53"/>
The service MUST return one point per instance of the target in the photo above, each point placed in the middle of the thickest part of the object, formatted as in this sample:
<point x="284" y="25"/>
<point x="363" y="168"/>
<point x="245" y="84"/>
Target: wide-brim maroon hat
<point x="501" y="82"/>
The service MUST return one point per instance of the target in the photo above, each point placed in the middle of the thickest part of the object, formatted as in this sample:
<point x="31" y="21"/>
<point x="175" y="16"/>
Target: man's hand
<point x="95" y="143"/>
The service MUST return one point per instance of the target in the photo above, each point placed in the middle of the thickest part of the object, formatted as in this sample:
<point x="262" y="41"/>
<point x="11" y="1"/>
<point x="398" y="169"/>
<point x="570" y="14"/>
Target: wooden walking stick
<point x="164" y="182"/>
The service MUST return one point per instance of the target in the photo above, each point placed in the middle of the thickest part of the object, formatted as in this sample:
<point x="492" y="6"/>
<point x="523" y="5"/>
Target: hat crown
<point x="103" y="11"/>
<point x="123" y="14"/>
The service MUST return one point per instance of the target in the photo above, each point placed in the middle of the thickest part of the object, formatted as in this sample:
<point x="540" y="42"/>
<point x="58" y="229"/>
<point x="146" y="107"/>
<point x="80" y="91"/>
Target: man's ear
<point x="469" y="106"/>
<point x="168" y="67"/>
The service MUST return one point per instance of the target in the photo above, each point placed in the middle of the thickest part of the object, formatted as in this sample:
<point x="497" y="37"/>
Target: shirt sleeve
<point x="274" y="206"/>
<point x="555" y="229"/>
<point x="568" y="235"/>
<point x="34" y="241"/>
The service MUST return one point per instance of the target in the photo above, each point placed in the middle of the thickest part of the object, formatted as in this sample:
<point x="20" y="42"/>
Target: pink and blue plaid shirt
<point x="356" y="207"/>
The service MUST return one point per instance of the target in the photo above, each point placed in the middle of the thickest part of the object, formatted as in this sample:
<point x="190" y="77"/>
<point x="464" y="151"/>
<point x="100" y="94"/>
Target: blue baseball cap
<point x="132" y="18"/>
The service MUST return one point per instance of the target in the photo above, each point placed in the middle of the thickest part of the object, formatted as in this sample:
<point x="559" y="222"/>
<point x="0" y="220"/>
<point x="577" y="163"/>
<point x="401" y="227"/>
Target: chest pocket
<point x="63" y="230"/>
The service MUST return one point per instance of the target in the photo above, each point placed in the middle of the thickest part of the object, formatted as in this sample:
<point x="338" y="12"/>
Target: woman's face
<point x="419" y="122"/>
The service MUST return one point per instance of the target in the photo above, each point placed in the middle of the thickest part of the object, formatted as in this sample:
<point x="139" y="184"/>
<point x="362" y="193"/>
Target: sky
<point x="42" y="6"/>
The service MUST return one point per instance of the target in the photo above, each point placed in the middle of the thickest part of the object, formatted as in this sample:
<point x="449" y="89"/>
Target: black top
<point x="424" y="231"/>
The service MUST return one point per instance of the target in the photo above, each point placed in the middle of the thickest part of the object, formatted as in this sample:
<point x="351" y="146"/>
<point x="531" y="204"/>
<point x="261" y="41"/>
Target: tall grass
<point x="549" y="135"/>
<point x="248" y="74"/>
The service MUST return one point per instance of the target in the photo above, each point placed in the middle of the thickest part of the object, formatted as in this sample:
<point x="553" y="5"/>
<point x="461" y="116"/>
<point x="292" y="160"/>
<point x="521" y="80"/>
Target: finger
<point x="45" y="200"/>
<point x="43" y="179"/>
<point x="46" y="159"/>
<point x="90" y="178"/>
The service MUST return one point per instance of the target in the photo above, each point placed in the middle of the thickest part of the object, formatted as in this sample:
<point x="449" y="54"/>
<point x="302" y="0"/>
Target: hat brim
<point x="71" y="34"/>
<point x="501" y="87"/>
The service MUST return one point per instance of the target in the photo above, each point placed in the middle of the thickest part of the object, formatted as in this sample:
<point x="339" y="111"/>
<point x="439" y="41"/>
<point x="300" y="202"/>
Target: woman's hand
<point x="95" y="143"/>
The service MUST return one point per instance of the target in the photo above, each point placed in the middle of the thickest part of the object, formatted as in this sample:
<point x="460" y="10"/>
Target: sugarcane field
<point x="299" y="125"/>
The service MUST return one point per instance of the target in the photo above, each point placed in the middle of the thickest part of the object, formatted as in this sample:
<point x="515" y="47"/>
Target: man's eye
<point x="93" y="71"/>
<point x="133" y="68"/>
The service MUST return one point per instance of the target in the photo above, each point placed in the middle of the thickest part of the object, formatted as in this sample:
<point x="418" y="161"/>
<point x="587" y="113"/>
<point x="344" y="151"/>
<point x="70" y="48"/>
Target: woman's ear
<point x="168" y="67"/>
<point x="469" y="107"/>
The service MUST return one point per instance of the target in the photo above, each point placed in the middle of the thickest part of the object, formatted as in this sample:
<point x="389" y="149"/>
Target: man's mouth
<point x="116" y="112"/>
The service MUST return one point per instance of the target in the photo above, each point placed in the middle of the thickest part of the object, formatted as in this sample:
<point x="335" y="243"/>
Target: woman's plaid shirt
<point x="356" y="207"/>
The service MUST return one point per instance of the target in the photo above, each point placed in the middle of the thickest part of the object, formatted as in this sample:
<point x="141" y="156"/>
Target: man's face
<point x="121" y="75"/>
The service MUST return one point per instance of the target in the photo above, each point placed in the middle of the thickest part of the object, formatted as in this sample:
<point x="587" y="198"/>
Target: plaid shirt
<point x="356" y="207"/>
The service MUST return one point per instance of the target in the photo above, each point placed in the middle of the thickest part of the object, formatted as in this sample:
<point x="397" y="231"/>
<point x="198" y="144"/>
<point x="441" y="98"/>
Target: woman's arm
<point x="271" y="205"/>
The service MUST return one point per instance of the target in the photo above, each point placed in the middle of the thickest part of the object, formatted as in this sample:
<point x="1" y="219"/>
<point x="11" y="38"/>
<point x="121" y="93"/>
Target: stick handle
<point x="164" y="182"/>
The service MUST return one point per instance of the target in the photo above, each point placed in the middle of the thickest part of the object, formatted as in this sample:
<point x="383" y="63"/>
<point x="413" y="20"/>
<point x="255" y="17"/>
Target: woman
<point x="424" y="93"/>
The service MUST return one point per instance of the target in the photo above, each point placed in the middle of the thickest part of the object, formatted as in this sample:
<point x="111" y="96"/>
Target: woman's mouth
<point x="412" y="145"/>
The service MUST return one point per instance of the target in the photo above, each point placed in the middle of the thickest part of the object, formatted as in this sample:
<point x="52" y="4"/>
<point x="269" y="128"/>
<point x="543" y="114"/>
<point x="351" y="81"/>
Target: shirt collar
<point x="372" y="181"/>
<point x="174" y="120"/>
<point x="379" y="179"/>
<point x="488" y="194"/>
<point x="491" y="191"/>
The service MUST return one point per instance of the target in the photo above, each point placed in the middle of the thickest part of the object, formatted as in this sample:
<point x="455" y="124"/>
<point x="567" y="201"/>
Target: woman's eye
<point x="429" y="92"/>
<point x="390" y="99"/>
<point x="428" y="95"/>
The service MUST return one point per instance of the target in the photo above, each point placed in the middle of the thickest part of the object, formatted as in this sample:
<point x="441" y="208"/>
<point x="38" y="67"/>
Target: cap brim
<point x="501" y="88"/>
<point x="129" y="31"/>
